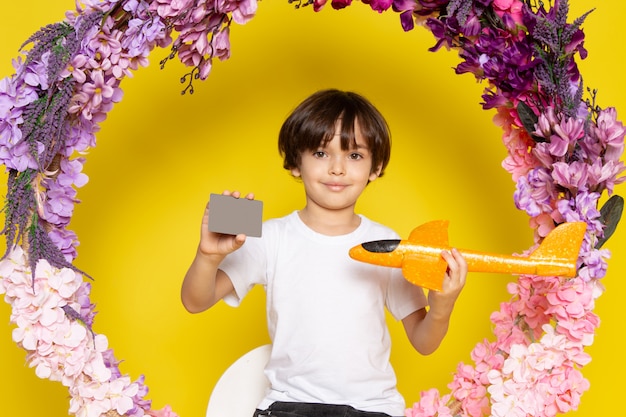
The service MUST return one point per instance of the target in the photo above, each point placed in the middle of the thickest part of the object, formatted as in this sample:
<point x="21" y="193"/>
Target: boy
<point x="325" y="311"/>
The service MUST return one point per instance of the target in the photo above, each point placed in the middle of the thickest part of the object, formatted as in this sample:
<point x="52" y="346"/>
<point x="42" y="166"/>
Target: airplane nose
<point x="381" y="246"/>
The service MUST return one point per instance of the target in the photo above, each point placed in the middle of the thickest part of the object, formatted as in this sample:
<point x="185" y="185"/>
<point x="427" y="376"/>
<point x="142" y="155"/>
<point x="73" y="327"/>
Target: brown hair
<point x="312" y="124"/>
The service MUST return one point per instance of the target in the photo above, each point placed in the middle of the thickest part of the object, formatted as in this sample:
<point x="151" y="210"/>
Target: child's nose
<point x="337" y="166"/>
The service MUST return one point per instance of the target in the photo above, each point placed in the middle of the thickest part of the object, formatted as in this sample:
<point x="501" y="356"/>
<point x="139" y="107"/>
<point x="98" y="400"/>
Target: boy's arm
<point x="205" y="284"/>
<point x="427" y="328"/>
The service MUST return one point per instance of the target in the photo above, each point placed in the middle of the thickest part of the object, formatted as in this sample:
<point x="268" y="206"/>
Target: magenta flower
<point x="319" y="5"/>
<point x="340" y="4"/>
<point x="512" y="8"/>
<point x="405" y="8"/>
<point x="379" y="5"/>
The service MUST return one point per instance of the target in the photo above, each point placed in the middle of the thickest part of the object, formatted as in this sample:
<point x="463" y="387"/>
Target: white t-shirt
<point x="325" y="313"/>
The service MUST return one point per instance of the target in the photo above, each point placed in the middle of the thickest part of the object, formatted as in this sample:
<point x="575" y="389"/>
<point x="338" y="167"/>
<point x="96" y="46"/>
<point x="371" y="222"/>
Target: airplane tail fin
<point x="560" y="249"/>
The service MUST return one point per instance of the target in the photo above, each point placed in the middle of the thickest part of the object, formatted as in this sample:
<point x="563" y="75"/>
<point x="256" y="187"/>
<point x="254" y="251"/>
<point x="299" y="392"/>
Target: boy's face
<point x="334" y="178"/>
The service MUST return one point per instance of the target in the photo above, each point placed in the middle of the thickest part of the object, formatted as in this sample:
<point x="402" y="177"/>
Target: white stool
<point x="241" y="387"/>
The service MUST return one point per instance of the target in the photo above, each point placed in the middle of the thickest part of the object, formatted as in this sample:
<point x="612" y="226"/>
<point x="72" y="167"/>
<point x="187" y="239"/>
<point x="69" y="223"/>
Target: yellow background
<point x="160" y="155"/>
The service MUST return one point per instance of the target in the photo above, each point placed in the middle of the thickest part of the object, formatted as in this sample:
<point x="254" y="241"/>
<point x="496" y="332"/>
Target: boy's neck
<point x="330" y="222"/>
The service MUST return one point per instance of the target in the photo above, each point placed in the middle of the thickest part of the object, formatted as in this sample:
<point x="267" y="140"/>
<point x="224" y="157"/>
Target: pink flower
<point x="517" y="142"/>
<point x="164" y="412"/>
<point x="605" y="176"/>
<point x="487" y="356"/>
<point x="512" y="7"/>
<point x="430" y="404"/>
<point x="542" y="224"/>
<point x="610" y="132"/>
<point x="221" y="44"/>
<point x="171" y="8"/>
<point x="99" y="89"/>
<point x="246" y="9"/>
<point x="573" y="176"/>
<point x="582" y="330"/>
<point x="467" y="389"/>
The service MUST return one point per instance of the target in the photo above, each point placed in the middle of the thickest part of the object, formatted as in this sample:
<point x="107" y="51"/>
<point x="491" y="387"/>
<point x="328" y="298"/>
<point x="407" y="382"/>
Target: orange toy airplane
<point x="422" y="264"/>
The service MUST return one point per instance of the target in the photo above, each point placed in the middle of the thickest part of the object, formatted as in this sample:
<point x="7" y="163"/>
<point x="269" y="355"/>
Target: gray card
<point x="231" y="216"/>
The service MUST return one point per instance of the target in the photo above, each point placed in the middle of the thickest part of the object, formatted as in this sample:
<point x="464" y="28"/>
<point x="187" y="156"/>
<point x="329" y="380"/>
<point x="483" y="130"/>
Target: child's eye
<point x="319" y="154"/>
<point x="355" y="155"/>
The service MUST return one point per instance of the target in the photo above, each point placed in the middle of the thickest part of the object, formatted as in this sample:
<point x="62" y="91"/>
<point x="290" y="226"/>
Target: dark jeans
<point x="294" y="409"/>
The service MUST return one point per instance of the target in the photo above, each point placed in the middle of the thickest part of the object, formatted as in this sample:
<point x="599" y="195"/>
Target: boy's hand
<point x="218" y="244"/>
<point x="442" y="302"/>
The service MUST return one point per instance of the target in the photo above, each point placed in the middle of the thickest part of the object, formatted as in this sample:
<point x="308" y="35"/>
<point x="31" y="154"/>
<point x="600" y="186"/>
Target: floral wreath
<point x="563" y="154"/>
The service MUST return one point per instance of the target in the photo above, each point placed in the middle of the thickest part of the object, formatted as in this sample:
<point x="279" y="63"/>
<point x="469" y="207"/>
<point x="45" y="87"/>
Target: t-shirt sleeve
<point x="403" y="298"/>
<point x="245" y="268"/>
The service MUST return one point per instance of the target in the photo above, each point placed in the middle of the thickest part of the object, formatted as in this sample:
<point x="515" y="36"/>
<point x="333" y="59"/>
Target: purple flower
<point x="71" y="173"/>
<point x="139" y="401"/>
<point x="15" y="95"/>
<point x="583" y="207"/>
<point x="445" y="30"/>
<point x="111" y="363"/>
<point x="595" y="264"/>
<point x="18" y="157"/>
<point x="59" y="206"/>
<point x="87" y="311"/>
<point x="141" y="35"/>
<point x="66" y="241"/>
<point x="81" y="136"/>
<point x="535" y="192"/>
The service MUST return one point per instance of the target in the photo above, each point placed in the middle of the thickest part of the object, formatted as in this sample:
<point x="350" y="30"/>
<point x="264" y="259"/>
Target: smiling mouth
<point x="336" y="186"/>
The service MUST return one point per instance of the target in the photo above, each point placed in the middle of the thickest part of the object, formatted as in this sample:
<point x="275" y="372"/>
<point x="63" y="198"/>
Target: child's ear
<point x="376" y="173"/>
<point x="295" y="172"/>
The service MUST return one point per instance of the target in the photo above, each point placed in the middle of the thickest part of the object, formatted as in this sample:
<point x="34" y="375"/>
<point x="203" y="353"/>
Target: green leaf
<point x="529" y="119"/>
<point x="610" y="215"/>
